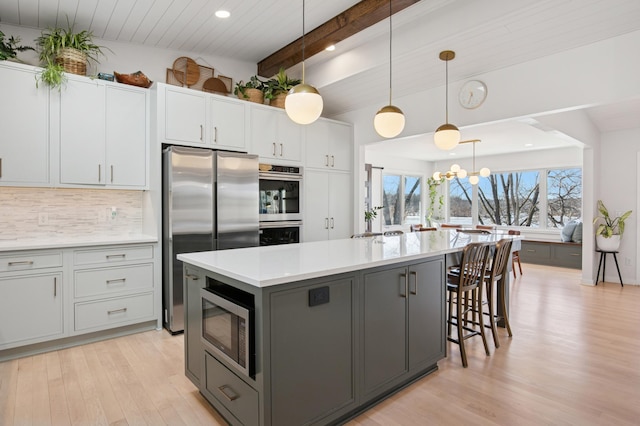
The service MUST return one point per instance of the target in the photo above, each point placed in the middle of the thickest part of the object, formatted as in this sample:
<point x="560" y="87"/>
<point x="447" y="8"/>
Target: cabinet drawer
<point x="535" y="251"/>
<point x="27" y="261"/>
<point x="112" y="255"/>
<point x="237" y="396"/>
<point x="93" y="282"/>
<point x="113" y="312"/>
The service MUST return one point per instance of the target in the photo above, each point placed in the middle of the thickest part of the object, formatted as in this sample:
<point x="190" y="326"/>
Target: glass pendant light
<point x="447" y="136"/>
<point x="303" y="103"/>
<point x="389" y="121"/>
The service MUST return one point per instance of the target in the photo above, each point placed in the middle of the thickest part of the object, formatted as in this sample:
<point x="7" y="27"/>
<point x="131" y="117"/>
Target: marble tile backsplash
<point x="50" y="213"/>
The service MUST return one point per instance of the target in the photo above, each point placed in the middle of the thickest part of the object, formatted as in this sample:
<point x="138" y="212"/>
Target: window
<point x="401" y="199"/>
<point x="517" y="198"/>
<point x="509" y="199"/>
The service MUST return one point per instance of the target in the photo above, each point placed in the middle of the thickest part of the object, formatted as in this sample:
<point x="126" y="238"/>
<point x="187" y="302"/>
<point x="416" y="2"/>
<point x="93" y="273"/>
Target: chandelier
<point x="455" y="171"/>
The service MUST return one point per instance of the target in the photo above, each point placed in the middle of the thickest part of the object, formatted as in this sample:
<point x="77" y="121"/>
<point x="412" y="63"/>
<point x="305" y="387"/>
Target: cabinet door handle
<point x="333" y="161"/>
<point x="111" y="256"/>
<point x="326" y="160"/>
<point x="117" y="311"/>
<point x="99" y="172"/>
<point x="215" y="134"/>
<point x="403" y="286"/>
<point x="55" y="286"/>
<point x="0" y="167"/>
<point x="326" y="223"/>
<point x="192" y="277"/>
<point x="332" y="223"/>
<point x="201" y="132"/>
<point x="231" y="397"/>
<point x="116" y="281"/>
<point x="22" y="262"/>
<point x="280" y="150"/>
<point x="112" y="173"/>
<point x="415" y="281"/>
<point x="274" y="149"/>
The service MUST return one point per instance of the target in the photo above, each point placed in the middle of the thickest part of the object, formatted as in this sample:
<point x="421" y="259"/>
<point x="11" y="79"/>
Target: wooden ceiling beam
<point x="353" y="20"/>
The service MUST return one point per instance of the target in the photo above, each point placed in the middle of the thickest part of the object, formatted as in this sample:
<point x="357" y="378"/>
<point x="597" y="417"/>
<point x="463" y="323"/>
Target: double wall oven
<point x="280" y="204"/>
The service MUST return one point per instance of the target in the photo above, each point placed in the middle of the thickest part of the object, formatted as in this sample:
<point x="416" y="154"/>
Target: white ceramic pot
<point x="608" y="244"/>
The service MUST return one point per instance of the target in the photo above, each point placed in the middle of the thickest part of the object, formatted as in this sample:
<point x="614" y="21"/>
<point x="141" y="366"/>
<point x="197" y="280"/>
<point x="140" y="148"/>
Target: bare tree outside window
<point x="510" y="199"/>
<point x="401" y="198"/>
<point x="564" y="196"/>
<point x="460" y="195"/>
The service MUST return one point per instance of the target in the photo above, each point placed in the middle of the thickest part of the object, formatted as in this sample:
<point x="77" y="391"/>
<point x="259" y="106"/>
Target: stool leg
<point x="459" y="312"/>
<point x="618" y="268"/>
<point x="599" y="265"/>
<point x="481" y="322"/>
<point x="492" y="319"/>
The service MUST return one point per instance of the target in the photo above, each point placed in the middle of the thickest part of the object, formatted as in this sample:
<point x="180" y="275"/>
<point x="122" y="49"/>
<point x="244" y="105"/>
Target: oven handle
<point x="280" y="176"/>
<point x="280" y="224"/>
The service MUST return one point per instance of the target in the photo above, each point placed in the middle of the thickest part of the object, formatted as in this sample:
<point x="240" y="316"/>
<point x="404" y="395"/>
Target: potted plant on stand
<point x="609" y="233"/>
<point x="63" y="50"/>
<point x="277" y="88"/>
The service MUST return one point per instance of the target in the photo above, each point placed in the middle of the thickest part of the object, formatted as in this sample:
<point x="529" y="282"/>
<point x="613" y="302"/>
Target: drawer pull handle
<point x="231" y="397"/>
<point x="415" y="275"/>
<point x="531" y="251"/>
<point x="116" y="281"/>
<point x="326" y="162"/>
<point x="333" y="161"/>
<point x="111" y="256"/>
<point x="404" y="286"/>
<point x="22" y="262"/>
<point x="192" y="277"/>
<point x="575" y="254"/>
<point x="117" y="311"/>
<point x="55" y="286"/>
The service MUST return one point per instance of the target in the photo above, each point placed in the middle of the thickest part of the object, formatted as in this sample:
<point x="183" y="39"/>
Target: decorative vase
<point x="611" y="243"/>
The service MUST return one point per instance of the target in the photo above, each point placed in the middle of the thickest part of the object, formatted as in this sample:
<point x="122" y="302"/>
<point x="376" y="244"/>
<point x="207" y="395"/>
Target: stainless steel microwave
<point x="227" y="330"/>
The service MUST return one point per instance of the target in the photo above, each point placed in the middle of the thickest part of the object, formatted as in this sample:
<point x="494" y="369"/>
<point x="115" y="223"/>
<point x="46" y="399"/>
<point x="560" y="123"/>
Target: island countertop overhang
<point x="282" y="264"/>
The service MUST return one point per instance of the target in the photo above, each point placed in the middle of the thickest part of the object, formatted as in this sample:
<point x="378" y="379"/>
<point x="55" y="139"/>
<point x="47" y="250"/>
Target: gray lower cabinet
<point x="311" y="352"/>
<point x="193" y="352"/>
<point x="565" y="255"/>
<point x="403" y="323"/>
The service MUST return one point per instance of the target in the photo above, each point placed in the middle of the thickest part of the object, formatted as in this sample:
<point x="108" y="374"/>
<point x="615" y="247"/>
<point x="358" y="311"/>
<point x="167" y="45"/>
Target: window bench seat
<point x="552" y="253"/>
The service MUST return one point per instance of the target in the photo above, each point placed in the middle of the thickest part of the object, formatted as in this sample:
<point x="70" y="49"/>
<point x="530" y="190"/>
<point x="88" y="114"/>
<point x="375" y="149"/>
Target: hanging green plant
<point x="10" y="47"/>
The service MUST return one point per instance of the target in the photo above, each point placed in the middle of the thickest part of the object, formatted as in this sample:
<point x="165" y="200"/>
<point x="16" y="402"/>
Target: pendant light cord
<point x="446" y="91"/>
<point x="303" y="2"/>
<point x="390" y="56"/>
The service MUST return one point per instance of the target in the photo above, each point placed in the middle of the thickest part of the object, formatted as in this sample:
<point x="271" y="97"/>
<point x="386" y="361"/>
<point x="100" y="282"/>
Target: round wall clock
<point x="472" y="94"/>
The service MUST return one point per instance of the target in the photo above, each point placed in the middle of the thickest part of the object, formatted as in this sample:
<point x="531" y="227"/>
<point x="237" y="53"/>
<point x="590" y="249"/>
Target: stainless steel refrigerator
<point x="210" y="202"/>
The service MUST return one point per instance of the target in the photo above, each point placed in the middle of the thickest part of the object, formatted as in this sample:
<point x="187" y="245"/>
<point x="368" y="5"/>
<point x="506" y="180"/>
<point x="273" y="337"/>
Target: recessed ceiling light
<point x="452" y="153"/>
<point x="330" y="48"/>
<point x="223" y="14"/>
<point x="528" y="145"/>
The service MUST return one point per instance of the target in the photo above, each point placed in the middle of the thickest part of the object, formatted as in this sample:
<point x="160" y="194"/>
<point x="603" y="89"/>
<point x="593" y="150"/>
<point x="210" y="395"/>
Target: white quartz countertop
<point x="70" y="242"/>
<point x="280" y="264"/>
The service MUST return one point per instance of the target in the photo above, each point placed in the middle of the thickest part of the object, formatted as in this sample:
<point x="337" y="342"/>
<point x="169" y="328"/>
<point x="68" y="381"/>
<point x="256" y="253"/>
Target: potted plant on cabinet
<point x="277" y="88"/>
<point x="63" y="50"/>
<point x="608" y="234"/>
<point x="10" y="47"/>
<point x="252" y="90"/>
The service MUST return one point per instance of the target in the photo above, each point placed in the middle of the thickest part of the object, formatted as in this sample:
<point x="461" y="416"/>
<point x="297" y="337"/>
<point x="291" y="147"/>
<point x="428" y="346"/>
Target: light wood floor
<point x="574" y="360"/>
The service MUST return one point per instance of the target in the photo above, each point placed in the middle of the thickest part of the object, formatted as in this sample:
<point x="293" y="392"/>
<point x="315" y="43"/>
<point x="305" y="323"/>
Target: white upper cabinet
<point x="24" y="150"/>
<point x="274" y="136"/>
<point x="329" y="146"/>
<point x="103" y="134"/>
<point x="184" y="116"/>
<point x="82" y="130"/>
<point x="328" y="206"/>
<point x="227" y="124"/>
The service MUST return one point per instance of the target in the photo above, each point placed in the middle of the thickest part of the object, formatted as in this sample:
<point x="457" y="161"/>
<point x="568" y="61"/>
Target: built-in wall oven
<point x="228" y="318"/>
<point x="280" y="193"/>
<point x="280" y="204"/>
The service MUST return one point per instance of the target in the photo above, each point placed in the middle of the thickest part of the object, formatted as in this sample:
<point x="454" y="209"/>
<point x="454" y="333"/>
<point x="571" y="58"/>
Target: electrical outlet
<point x="627" y="261"/>
<point x="43" y="218"/>
<point x="114" y="213"/>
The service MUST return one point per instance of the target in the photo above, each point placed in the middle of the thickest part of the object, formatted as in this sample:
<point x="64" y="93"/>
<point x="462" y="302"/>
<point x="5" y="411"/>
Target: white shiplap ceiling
<point x="488" y="34"/>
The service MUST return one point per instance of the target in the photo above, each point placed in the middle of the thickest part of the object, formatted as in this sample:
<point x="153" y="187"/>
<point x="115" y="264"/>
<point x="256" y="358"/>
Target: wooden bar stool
<point x="497" y="278"/>
<point x="465" y="289"/>
<point x="516" y="255"/>
<point x="450" y="225"/>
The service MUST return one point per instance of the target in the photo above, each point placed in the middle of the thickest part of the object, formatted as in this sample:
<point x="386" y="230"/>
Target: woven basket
<point x="278" y="100"/>
<point x="254" y="95"/>
<point x="72" y="60"/>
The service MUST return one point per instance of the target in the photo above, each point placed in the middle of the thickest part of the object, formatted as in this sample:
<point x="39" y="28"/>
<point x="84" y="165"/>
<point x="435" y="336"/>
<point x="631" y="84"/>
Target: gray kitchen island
<point x="329" y="328"/>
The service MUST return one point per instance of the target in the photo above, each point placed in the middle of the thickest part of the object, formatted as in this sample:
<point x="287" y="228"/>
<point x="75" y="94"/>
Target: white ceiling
<point x="480" y="31"/>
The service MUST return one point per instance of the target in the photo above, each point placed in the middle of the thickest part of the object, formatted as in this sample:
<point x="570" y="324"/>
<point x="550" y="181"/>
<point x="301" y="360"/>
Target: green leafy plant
<point x="10" y="47"/>
<point x="281" y="83"/>
<point x="611" y="226"/>
<point x="52" y="41"/>
<point x="253" y="83"/>
<point x="433" y="185"/>
<point x="369" y="215"/>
